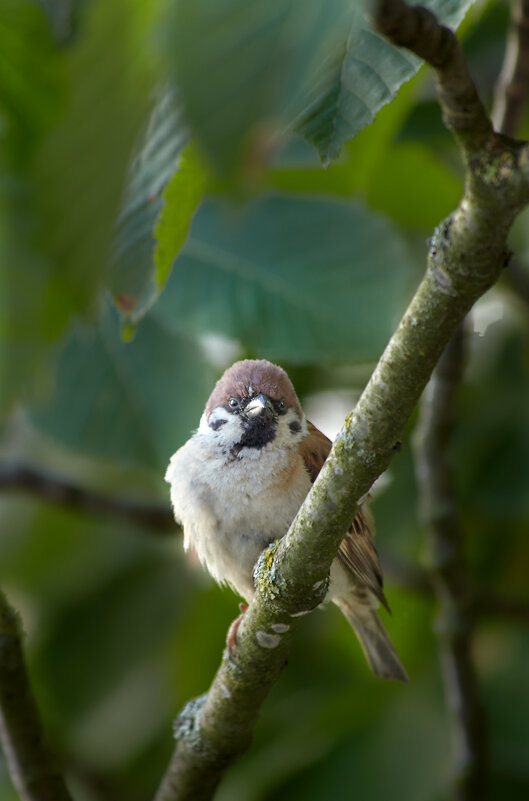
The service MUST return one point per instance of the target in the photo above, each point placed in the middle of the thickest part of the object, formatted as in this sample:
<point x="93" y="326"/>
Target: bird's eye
<point x="233" y="403"/>
<point x="282" y="404"/>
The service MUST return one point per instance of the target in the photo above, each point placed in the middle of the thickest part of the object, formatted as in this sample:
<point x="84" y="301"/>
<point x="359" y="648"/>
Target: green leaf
<point x="243" y="67"/>
<point x="132" y="402"/>
<point x="32" y="82"/>
<point x="363" y="75"/>
<point x="299" y="169"/>
<point x="131" y="273"/>
<point x="182" y="197"/>
<point x="413" y="187"/>
<point x="294" y="280"/>
<point x="81" y="166"/>
<point x="32" y="94"/>
<point x="247" y="71"/>
<point x="70" y="116"/>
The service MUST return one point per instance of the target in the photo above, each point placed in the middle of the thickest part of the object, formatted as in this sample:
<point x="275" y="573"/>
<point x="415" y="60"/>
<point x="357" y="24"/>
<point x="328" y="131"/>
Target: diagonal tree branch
<point x="449" y="578"/>
<point x="32" y="767"/>
<point x="467" y="253"/>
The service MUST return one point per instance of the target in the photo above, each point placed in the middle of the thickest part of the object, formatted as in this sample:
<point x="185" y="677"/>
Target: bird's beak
<point x="260" y="405"/>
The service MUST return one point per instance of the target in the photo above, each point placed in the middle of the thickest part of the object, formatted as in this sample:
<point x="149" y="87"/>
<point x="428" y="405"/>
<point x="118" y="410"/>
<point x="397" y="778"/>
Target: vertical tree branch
<point x="448" y="574"/>
<point x="517" y="278"/>
<point x="32" y="767"/>
<point x="511" y="90"/>
<point x="510" y="97"/>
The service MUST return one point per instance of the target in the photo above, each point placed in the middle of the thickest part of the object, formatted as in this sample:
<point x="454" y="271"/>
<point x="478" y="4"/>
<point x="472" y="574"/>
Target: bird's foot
<point x="231" y="639"/>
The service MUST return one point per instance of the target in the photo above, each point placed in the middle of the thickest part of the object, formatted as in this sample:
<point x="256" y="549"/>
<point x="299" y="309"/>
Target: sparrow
<point x="238" y="482"/>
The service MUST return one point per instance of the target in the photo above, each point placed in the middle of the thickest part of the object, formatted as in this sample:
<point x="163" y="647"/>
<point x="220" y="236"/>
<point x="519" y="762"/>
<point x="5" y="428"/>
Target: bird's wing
<point x="357" y="552"/>
<point x="314" y="448"/>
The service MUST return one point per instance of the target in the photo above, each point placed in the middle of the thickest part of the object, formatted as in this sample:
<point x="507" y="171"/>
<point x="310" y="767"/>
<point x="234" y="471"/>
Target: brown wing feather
<point x="358" y="554"/>
<point x="357" y="551"/>
<point x="314" y="448"/>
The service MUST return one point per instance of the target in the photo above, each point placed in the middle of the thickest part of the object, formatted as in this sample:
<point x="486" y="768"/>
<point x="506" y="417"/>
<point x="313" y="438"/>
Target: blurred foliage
<point x="131" y="277"/>
<point x="278" y="276"/>
<point x="313" y="64"/>
<point x="285" y="260"/>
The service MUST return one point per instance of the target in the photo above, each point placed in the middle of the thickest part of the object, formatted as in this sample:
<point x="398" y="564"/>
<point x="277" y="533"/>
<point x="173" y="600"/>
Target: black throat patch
<point x="257" y="434"/>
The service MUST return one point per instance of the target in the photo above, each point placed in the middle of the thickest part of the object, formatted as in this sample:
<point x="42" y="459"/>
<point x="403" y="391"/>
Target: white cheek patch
<point x="290" y="429"/>
<point x="218" y="418"/>
<point x="226" y="427"/>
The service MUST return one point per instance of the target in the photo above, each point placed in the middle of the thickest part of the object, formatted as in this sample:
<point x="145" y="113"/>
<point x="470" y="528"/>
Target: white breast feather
<point x="231" y="507"/>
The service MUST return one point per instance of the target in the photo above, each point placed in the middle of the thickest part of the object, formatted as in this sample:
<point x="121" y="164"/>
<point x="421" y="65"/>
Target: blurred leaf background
<point x="107" y="356"/>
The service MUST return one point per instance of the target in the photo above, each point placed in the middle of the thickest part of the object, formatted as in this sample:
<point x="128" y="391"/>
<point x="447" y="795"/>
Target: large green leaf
<point x="247" y="70"/>
<point x="126" y="402"/>
<point x="70" y="116"/>
<point x="131" y="273"/>
<point x="378" y="166"/>
<point x="31" y="78"/>
<point x="294" y="280"/>
<point x="81" y="166"/>
<point x="243" y="68"/>
<point x="363" y="75"/>
<point x="32" y="94"/>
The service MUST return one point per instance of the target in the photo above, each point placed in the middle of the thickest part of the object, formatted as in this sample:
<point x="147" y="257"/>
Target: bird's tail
<point x="374" y="639"/>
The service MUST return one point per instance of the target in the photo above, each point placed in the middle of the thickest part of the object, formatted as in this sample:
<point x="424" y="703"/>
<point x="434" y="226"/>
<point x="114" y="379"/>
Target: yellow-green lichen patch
<point x="497" y="170"/>
<point x="263" y="572"/>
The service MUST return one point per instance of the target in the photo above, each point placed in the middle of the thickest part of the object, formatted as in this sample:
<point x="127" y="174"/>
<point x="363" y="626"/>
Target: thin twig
<point x="449" y="576"/>
<point x="32" y="766"/>
<point x="488" y="605"/>
<point x="61" y="491"/>
<point x="159" y="519"/>
<point x="485" y="604"/>
<point x="512" y="88"/>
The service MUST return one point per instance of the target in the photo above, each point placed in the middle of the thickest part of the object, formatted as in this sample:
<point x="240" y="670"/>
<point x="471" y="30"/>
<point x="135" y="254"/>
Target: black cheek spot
<point x="216" y="424"/>
<point x="295" y="427"/>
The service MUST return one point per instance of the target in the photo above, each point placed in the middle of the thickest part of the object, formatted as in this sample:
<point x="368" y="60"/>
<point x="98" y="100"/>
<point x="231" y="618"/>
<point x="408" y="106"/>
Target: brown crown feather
<point x="257" y="375"/>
